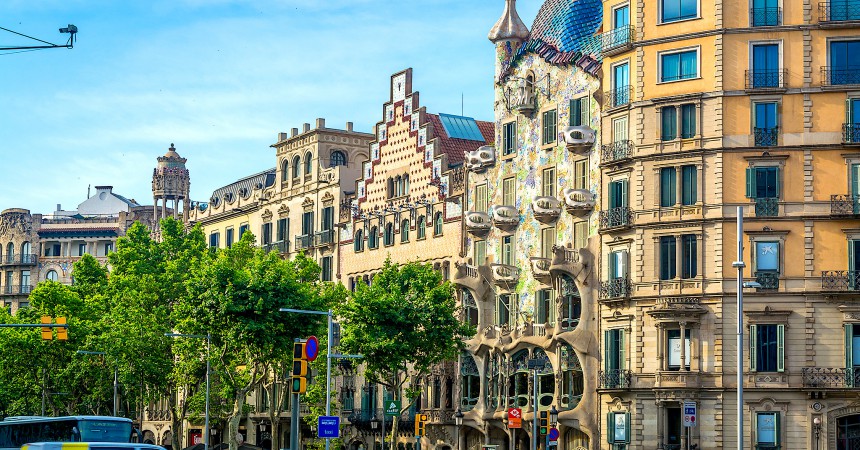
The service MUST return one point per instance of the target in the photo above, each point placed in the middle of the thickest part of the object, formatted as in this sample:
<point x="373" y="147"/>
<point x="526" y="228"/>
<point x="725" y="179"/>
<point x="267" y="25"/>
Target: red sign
<point x="195" y="437"/>
<point x="515" y="418"/>
<point x="312" y="348"/>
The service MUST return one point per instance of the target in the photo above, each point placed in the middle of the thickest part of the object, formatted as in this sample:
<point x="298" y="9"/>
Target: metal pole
<point x="44" y="386"/>
<point x="328" y="375"/>
<point x="535" y="411"/>
<point x="206" y="426"/>
<point x="115" y="392"/>
<point x="294" y="424"/>
<point x="383" y="426"/>
<point x="739" y="264"/>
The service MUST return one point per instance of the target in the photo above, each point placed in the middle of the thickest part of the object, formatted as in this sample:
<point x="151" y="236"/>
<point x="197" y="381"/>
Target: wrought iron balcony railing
<point x="280" y="246"/>
<point x="830" y="377"/>
<point x="844" y="205"/>
<point x="617" y="40"/>
<point x="767" y="207"/>
<point x="768" y="280"/>
<point x="840" y="280"/>
<point x="325" y="237"/>
<point x="765" y="17"/>
<point x="838" y="76"/>
<point x="13" y="289"/>
<point x="616" y="151"/>
<point x="25" y="259"/>
<point x="766" y="137"/>
<point x="851" y="133"/>
<point x="619" y="96"/>
<point x="765" y="79"/>
<point x="617" y="288"/>
<point x="304" y="241"/>
<point x="616" y="217"/>
<point x="839" y="11"/>
<point x="615" y="379"/>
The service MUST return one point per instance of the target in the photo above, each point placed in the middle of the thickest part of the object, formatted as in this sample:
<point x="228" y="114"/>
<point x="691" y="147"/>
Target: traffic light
<point x="62" y="332"/>
<point x="544" y="422"/>
<point x="47" y="333"/>
<point x="420" y="424"/>
<point x="300" y="369"/>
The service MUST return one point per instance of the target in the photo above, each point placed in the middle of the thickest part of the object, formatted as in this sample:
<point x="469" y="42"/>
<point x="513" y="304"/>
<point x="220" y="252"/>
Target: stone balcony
<point x="677" y="379"/>
<point x="578" y="202"/>
<point x="540" y="269"/>
<point x="546" y="209"/>
<point x="505" y="275"/>
<point x="579" y="140"/>
<point x="505" y="217"/>
<point x="474" y="278"/>
<point x="567" y="260"/>
<point x="480" y="159"/>
<point x="477" y="223"/>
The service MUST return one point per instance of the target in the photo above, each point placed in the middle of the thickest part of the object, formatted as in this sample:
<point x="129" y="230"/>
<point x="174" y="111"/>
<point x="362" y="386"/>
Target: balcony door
<point x="854" y="264"/>
<point x="614" y="361"/>
<point x="765" y="65"/>
<point x="855" y="187"/>
<point x="618" y="194"/>
<point x="852" y="353"/>
<point x="852" y="123"/>
<point x="621" y="17"/>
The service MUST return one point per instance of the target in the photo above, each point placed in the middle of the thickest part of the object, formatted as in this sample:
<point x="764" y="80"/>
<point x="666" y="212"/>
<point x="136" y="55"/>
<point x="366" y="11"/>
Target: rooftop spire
<point x="509" y="27"/>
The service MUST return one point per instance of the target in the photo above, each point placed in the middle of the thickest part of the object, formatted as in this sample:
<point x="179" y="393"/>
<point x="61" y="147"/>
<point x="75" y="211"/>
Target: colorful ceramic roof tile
<point x="567" y="32"/>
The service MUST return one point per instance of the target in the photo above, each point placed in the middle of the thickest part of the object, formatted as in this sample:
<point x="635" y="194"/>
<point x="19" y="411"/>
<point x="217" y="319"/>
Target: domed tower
<point x="171" y="181"/>
<point x="508" y="34"/>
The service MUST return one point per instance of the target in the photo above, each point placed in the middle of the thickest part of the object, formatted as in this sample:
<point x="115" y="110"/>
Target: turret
<point x="509" y="27"/>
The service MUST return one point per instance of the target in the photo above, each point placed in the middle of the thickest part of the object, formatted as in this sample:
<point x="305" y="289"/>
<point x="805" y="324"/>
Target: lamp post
<point x="374" y="424"/>
<point x="458" y="421"/>
<point x="816" y="428"/>
<point x="553" y="416"/>
<point x="208" y="338"/>
<point x="115" y="384"/>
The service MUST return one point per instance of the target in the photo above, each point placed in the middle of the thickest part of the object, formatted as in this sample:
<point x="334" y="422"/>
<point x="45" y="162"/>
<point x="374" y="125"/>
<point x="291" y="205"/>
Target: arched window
<point x="338" y="158"/>
<point x="470" y="382"/>
<point x="389" y="234"/>
<point x="546" y="380"/>
<point x="308" y="162"/>
<point x="571" y="303"/>
<point x="470" y="308"/>
<point x="518" y="380"/>
<point x="373" y="238"/>
<point x="421" y="227"/>
<point x="285" y="170"/>
<point x="404" y="230"/>
<point x="572" y="380"/>
<point x="358" y="241"/>
<point x="495" y="397"/>
<point x="26" y="257"/>
<point x="52" y="275"/>
<point x="10" y="253"/>
<point x="297" y="166"/>
<point x="437" y="225"/>
<point x="390" y="187"/>
<point x="406" y="184"/>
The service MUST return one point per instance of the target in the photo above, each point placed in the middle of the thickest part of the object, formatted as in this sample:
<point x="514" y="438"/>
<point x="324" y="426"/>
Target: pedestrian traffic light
<point x="47" y="333"/>
<point x="420" y="424"/>
<point x="300" y="368"/>
<point x="544" y="422"/>
<point x="62" y="332"/>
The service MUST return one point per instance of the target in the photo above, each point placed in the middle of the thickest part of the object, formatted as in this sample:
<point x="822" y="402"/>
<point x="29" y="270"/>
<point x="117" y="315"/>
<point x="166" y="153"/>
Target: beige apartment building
<point x="407" y="206"/>
<point x="707" y="106"/>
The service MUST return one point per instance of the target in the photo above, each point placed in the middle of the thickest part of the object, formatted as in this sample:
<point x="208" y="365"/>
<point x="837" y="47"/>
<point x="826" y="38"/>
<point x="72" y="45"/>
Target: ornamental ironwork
<point x="765" y="17"/>
<point x="616" y="151"/>
<point x="621" y="216"/>
<point x="840" y="280"/>
<point x="766" y="207"/>
<point x="615" y="378"/>
<point x="766" y="137"/>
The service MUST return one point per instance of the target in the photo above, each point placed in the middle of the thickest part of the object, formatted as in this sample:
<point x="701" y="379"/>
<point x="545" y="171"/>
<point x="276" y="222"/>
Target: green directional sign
<point x="392" y="407"/>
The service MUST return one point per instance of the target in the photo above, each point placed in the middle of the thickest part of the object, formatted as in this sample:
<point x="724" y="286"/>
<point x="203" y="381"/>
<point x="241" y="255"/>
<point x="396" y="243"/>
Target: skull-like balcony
<point x="505" y="217"/>
<point x="505" y="275"/>
<point x="579" y="139"/>
<point x="540" y="269"/>
<point x="477" y="222"/>
<point x="567" y="260"/>
<point x="480" y="159"/>
<point x="546" y="209"/>
<point x="472" y="277"/>
<point x="578" y="202"/>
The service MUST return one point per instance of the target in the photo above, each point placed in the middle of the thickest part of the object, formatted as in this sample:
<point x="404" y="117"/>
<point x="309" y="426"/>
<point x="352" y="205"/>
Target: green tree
<point x="404" y="323"/>
<point x="237" y="299"/>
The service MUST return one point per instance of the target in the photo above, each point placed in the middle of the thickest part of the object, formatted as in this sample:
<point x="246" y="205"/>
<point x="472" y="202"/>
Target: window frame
<point x="404" y="231"/>
<point x="358" y="241"/>
<point x="697" y="49"/>
<point x="780" y="57"/>
<point x="548" y="189"/>
<point x="549" y="128"/>
<point x="755" y="349"/>
<point x="662" y="20"/>
<point x="438" y="224"/>
<point x="509" y="138"/>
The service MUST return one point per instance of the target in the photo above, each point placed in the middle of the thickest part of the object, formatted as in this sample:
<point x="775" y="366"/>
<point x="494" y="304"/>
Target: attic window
<point x="244" y="192"/>
<point x="228" y="197"/>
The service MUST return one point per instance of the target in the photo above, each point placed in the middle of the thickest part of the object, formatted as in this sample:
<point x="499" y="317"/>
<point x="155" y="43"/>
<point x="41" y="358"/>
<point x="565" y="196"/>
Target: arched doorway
<point x="167" y="440"/>
<point x="572" y="378"/>
<point x="575" y="439"/>
<point x="148" y="437"/>
<point x="470" y="382"/>
<point x="848" y="432"/>
<point x="571" y="303"/>
<point x="546" y="380"/>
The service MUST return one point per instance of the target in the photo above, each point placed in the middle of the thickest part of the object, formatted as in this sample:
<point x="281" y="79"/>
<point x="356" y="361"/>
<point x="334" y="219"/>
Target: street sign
<point x="392" y="407"/>
<point x="328" y="426"/>
<point x="689" y="414"/>
<point x="553" y="443"/>
<point x="312" y="348"/>
<point x="553" y="434"/>
<point x="515" y="418"/>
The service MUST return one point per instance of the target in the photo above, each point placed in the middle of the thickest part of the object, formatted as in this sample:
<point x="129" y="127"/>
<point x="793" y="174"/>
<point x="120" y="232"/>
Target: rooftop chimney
<point x="282" y="136"/>
<point x="349" y="126"/>
<point x="320" y="123"/>
<point x="294" y="132"/>
<point x="306" y="127"/>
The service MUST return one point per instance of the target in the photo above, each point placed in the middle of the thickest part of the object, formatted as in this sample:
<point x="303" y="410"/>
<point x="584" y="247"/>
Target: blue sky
<point x="220" y="79"/>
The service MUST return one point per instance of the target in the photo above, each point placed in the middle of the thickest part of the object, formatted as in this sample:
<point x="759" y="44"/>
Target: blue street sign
<point x="328" y="426"/>
<point x="553" y="434"/>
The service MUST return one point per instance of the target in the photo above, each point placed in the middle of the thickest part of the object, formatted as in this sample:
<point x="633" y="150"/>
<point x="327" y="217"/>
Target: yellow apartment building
<point x="707" y="106"/>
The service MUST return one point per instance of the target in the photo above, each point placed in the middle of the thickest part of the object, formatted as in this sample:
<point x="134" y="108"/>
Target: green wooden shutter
<point x="851" y="264"/>
<point x="752" y="347"/>
<point x="575" y="113"/>
<point x="585" y="110"/>
<point x="610" y="428"/>
<point x="849" y="348"/>
<point x="848" y="118"/>
<point x="624" y="184"/>
<point x="777" y="428"/>
<point x="750" y="182"/>
<point x="621" y="359"/>
<point x="627" y="428"/>
<point x="780" y="348"/>
<point x="607" y="350"/>
<point x="855" y="179"/>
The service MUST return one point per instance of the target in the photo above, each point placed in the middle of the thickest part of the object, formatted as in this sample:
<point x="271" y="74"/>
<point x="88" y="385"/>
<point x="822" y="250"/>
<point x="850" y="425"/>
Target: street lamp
<point x="458" y="420"/>
<point x="553" y="416"/>
<point x="115" y="384"/>
<point x="208" y="338"/>
<point x="816" y="427"/>
<point x="374" y="424"/>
